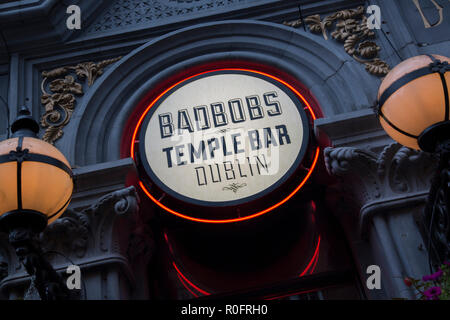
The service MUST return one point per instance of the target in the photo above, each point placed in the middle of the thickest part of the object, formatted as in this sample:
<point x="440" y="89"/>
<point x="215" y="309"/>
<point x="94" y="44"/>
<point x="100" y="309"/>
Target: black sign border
<point x="303" y="148"/>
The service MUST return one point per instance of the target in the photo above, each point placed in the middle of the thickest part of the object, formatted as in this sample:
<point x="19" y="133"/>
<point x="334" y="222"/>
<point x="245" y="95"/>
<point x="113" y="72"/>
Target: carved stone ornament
<point x="68" y="234"/>
<point x="349" y="27"/>
<point x="60" y="101"/>
<point x="3" y="270"/>
<point x="377" y="180"/>
<point x="74" y="231"/>
<point x="396" y="170"/>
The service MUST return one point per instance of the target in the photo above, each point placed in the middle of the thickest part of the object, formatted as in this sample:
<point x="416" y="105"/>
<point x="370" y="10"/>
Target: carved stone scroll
<point x="396" y="174"/>
<point x="74" y="231"/>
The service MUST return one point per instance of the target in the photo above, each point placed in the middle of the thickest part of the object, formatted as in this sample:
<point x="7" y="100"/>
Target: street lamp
<point x="35" y="189"/>
<point x="414" y="109"/>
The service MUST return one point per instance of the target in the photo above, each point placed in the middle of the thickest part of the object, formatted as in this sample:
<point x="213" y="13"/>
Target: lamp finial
<point x="24" y="125"/>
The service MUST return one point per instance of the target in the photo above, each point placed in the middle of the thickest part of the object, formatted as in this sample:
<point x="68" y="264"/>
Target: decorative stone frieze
<point x="124" y="14"/>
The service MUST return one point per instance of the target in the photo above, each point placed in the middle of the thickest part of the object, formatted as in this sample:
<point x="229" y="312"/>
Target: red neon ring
<point x="189" y="282"/>
<point x="314" y="258"/>
<point x="302" y="183"/>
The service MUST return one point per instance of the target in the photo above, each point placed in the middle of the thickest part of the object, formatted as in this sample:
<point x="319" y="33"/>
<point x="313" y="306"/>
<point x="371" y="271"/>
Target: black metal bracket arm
<point x="48" y="283"/>
<point x="437" y="213"/>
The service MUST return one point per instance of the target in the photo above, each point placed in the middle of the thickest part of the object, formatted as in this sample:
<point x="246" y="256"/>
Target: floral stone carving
<point x="349" y="27"/>
<point x="64" y="88"/>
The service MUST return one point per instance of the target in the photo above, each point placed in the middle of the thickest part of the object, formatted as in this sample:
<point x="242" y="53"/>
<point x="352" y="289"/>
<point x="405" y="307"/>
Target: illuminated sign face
<point x="224" y="138"/>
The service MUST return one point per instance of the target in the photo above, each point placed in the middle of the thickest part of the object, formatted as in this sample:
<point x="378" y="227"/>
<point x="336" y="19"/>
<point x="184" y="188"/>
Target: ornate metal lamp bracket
<point x="48" y="283"/>
<point x="437" y="213"/>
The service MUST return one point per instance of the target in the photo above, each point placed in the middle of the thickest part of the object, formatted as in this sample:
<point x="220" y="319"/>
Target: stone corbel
<point x="91" y="227"/>
<point x="396" y="177"/>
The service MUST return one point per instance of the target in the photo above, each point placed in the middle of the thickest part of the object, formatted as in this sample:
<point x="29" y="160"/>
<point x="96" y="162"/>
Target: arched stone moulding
<point x="99" y="122"/>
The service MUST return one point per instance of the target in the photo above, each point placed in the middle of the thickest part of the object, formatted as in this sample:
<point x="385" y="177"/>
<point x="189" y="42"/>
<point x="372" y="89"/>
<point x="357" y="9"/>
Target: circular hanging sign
<point x="224" y="138"/>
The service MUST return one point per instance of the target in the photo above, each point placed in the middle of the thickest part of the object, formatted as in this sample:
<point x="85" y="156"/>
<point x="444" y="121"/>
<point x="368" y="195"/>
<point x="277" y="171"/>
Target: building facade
<point x="361" y="199"/>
